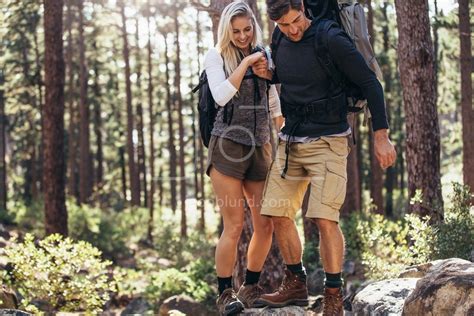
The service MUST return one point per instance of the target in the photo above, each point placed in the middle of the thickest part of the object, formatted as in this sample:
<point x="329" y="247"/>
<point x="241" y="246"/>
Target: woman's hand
<point x="253" y="58"/>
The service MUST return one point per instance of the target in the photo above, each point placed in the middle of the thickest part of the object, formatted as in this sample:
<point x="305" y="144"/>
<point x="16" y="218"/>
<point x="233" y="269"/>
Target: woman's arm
<point x="275" y="107"/>
<point x="223" y="89"/>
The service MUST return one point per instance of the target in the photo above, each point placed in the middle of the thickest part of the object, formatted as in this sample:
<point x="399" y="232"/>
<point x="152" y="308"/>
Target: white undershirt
<point x="222" y="90"/>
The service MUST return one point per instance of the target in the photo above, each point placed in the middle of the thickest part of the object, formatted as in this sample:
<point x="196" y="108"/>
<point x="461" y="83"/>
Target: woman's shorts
<point x="238" y="160"/>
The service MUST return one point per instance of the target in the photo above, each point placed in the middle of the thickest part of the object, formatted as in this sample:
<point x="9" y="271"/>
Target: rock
<point x="417" y="271"/>
<point x="284" y="311"/>
<point x="352" y="288"/>
<point x="13" y="312"/>
<point x="183" y="304"/>
<point x="8" y="298"/>
<point x="316" y="282"/>
<point x="137" y="306"/>
<point x="446" y="289"/>
<point x="383" y="297"/>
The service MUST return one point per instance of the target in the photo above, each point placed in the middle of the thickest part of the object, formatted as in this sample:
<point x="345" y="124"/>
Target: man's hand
<point x="260" y="68"/>
<point x="384" y="149"/>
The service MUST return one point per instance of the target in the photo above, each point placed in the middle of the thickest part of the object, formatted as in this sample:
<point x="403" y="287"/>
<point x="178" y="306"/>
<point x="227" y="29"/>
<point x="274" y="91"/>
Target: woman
<point x="239" y="149"/>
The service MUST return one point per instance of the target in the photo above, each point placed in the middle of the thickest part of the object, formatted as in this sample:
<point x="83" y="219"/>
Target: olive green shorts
<point x="238" y="160"/>
<point x="321" y="164"/>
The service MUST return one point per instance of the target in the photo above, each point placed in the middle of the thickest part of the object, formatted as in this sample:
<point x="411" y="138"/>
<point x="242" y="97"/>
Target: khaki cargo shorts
<point x="238" y="160"/>
<point x="322" y="164"/>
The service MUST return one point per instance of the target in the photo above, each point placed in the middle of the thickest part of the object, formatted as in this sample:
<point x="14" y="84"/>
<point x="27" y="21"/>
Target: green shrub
<point x="169" y="282"/>
<point x="67" y="275"/>
<point x="456" y="235"/>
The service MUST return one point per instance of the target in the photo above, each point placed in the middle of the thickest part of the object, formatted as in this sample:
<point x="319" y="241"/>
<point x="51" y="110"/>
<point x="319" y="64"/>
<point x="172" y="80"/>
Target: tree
<point x="53" y="123"/>
<point x="466" y="93"/>
<point x="3" y="166"/>
<point x="132" y="168"/>
<point x="416" y="58"/>
<point x="85" y="170"/>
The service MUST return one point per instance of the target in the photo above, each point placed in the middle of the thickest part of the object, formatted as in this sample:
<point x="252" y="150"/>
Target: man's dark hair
<point x="278" y="8"/>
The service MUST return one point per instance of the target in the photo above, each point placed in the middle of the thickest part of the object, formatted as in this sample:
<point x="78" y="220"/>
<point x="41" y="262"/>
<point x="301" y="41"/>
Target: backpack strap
<point x="277" y="36"/>
<point x="321" y="47"/>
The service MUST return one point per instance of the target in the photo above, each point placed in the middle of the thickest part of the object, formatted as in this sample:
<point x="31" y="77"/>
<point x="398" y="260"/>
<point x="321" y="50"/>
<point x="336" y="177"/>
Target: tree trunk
<point x="178" y="99"/>
<point x="85" y="170"/>
<point x="216" y="7"/>
<point x="72" y="166"/>
<point x="171" y="146"/>
<point x="416" y="58"/>
<point x="152" y="131"/>
<point x="376" y="172"/>
<point x="140" y="125"/>
<point x="38" y="168"/>
<point x="3" y="166"/>
<point x="132" y="168"/>
<point x="99" y="174"/>
<point x="466" y="94"/>
<point x="53" y="123"/>
<point x="387" y="72"/>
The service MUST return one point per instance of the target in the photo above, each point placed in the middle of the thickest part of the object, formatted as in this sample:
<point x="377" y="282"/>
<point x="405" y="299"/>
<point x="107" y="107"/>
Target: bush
<point x="169" y="282"/>
<point x="386" y="247"/>
<point x="66" y="275"/>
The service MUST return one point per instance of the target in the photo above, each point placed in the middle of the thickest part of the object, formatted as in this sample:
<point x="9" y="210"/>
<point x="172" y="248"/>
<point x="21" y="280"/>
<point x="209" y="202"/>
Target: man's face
<point x="293" y="24"/>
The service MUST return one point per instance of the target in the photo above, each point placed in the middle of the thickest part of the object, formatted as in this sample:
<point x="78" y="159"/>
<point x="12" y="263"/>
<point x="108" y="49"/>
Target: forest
<point x="104" y="201"/>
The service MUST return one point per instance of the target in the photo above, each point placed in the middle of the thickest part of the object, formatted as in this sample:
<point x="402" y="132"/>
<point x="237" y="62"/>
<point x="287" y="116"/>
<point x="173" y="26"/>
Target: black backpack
<point x="207" y="109"/>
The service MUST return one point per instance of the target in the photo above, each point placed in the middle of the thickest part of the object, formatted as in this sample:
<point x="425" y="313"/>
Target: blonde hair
<point x="229" y="52"/>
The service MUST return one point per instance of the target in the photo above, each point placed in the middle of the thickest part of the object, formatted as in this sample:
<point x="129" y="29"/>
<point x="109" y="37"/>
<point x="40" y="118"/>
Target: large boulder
<point x="383" y="297"/>
<point x="13" y="312"/>
<point x="446" y="289"/>
<point x="183" y="304"/>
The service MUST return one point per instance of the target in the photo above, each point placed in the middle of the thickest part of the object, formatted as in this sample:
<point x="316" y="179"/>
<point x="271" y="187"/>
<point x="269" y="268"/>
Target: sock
<point x="224" y="283"/>
<point x="252" y="277"/>
<point x="297" y="269"/>
<point x="333" y="280"/>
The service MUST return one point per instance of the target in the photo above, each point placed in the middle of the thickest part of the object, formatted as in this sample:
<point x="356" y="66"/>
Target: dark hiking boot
<point x="333" y="303"/>
<point x="248" y="294"/>
<point x="228" y="303"/>
<point x="292" y="291"/>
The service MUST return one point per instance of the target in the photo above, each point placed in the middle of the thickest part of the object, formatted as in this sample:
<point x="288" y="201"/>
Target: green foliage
<point x="169" y="282"/>
<point x="67" y="275"/>
<point x="386" y="247"/>
<point x="456" y="235"/>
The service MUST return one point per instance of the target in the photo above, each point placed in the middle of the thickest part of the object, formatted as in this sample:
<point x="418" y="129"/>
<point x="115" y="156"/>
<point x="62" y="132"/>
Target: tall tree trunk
<point x="53" y="123"/>
<point x="72" y="164"/>
<point x="387" y="72"/>
<point x="85" y="170"/>
<point x="3" y="165"/>
<point x="132" y="167"/>
<point x="376" y="172"/>
<point x="200" y="154"/>
<point x="466" y="94"/>
<point x="151" y="114"/>
<point x="415" y="55"/>
<point x="99" y="174"/>
<point x="179" y="101"/>
<point x="140" y="125"/>
<point x="171" y="145"/>
<point x="38" y="168"/>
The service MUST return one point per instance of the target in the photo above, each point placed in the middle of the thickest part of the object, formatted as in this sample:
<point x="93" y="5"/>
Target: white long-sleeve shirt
<point x="222" y="89"/>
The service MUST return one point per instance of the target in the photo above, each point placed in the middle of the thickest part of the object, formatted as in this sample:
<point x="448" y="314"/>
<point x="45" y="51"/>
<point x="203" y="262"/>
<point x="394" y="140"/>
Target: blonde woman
<point x="240" y="150"/>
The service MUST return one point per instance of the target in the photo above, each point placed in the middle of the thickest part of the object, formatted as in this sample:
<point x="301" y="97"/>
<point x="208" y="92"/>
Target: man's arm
<point x="348" y="59"/>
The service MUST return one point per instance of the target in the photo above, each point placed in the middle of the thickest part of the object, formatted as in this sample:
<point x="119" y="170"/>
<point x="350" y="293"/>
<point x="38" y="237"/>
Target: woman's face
<point x="242" y="32"/>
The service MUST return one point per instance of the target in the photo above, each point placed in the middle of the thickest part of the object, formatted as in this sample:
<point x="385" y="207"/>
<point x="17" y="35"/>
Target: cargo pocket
<point x="338" y="145"/>
<point x="334" y="188"/>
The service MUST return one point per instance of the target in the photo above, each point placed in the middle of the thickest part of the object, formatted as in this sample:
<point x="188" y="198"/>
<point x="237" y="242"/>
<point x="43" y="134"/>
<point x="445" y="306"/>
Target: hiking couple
<point x="312" y="146"/>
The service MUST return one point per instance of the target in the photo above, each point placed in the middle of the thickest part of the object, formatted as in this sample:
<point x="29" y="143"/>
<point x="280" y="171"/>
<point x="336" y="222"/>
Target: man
<point x="314" y="147"/>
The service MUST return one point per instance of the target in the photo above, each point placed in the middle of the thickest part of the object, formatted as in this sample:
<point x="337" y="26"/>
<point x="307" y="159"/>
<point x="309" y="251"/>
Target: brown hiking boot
<point x="333" y="303"/>
<point x="228" y="303"/>
<point x="292" y="291"/>
<point x="248" y="294"/>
